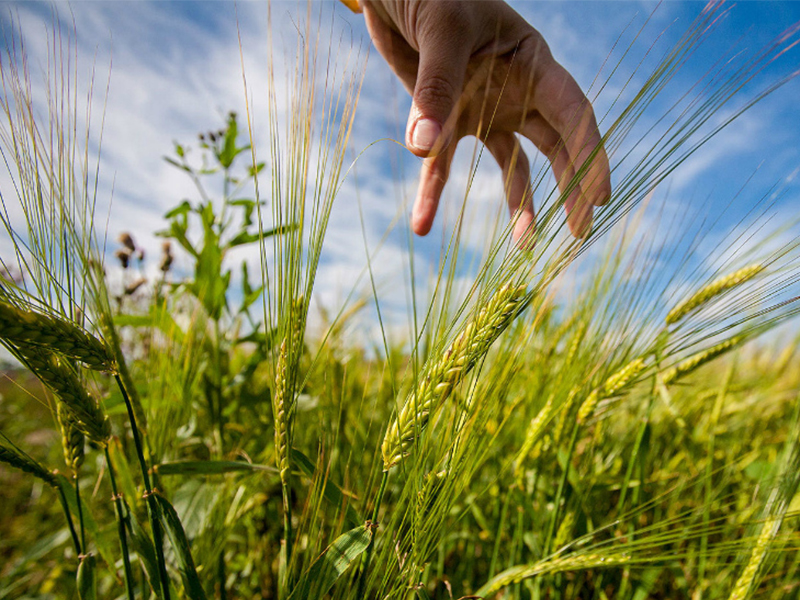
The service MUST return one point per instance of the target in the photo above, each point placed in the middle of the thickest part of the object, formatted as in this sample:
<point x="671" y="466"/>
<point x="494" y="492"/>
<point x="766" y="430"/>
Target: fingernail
<point x="425" y="134"/>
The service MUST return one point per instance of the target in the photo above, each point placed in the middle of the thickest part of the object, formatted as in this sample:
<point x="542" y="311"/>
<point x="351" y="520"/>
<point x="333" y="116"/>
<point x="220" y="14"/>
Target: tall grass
<point x="628" y="442"/>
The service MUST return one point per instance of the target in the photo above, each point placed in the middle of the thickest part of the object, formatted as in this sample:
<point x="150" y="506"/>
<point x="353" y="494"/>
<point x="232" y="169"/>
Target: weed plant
<point x="199" y="442"/>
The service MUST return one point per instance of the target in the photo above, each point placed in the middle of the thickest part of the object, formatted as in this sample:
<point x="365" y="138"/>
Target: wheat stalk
<point x="58" y="375"/>
<point x="439" y="379"/>
<point x="711" y="291"/>
<point x="25" y="327"/>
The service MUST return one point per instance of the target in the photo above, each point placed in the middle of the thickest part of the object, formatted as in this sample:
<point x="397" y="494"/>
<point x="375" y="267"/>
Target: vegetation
<point x="186" y="436"/>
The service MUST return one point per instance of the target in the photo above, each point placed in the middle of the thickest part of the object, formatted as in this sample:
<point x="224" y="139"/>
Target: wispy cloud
<point x="176" y="70"/>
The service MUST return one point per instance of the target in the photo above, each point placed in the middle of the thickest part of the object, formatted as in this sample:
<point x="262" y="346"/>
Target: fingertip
<point x="423" y="213"/>
<point x="579" y="217"/>
<point x="424" y="136"/>
<point x="421" y="224"/>
<point x="524" y="230"/>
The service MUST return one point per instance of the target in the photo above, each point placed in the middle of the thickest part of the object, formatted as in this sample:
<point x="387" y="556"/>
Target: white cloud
<point x="174" y="75"/>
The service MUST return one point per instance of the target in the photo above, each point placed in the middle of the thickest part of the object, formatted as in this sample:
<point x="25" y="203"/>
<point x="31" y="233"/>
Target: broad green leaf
<point x="332" y="493"/>
<point x="209" y="467"/>
<point x="323" y="572"/>
<point x="180" y="544"/>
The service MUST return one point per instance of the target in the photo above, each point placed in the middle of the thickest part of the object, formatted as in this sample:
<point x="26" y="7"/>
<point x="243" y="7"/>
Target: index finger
<point x="559" y="99"/>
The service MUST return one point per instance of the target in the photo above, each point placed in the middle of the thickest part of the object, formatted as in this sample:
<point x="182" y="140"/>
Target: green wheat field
<point x="190" y="435"/>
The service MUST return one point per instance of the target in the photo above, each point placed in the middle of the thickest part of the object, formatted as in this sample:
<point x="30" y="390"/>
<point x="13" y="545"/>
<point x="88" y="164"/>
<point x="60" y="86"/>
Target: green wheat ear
<point x="72" y="439"/>
<point x="16" y="459"/>
<point x="693" y="363"/>
<point x="26" y="327"/>
<point x="81" y="407"/>
<point x="711" y="291"/>
<point x="438" y="380"/>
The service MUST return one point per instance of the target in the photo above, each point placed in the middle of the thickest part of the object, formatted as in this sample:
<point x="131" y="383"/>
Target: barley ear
<point x="535" y="431"/>
<point x="25" y="327"/>
<point x="280" y="408"/>
<point x="72" y="440"/>
<point x="25" y="463"/>
<point x="745" y="585"/>
<point x="58" y="375"/>
<point x="438" y="379"/>
<point x="711" y="291"/>
<point x="615" y="384"/>
<point x="693" y="363"/>
<point x="283" y="397"/>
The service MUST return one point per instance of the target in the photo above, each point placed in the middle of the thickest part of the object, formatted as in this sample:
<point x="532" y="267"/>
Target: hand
<point x="478" y="68"/>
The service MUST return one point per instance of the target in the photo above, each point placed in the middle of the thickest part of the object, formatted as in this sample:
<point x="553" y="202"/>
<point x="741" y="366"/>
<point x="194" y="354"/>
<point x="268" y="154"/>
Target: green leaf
<point x="87" y="578"/>
<point x="181" y="210"/>
<point x="143" y="546"/>
<point x="243" y="238"/>
<point x="228" y="153"/>
<point x="209" y="467"/>
<point x="255" y="170"/>
<point x="323" y="572"/>
<point x="332" y="493"/>
<point x="175" y="163"/>
<point x="180" y="544"/>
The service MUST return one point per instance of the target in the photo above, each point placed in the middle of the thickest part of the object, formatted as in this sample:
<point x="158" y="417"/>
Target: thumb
<point x="443" y="58"/>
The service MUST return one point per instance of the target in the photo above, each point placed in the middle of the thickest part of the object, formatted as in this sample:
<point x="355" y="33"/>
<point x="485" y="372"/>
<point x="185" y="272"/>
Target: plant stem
<point x="80" y="510"/>
<point x="70" y="523"/>
<point x="373" y="522"/>
<point x="287" y="526"/>
<point x="123" y="536"/>
<point x="562" y="484"/>
<point x="221" y="574"/>
<point x="152" y="506"/>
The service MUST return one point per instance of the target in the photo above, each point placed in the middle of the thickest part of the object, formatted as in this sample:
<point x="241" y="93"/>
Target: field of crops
<point x="189" y="434"/>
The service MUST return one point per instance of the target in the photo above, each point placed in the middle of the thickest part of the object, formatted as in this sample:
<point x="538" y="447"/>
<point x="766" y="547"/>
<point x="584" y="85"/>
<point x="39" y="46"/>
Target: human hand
<point x="478" y="68"/>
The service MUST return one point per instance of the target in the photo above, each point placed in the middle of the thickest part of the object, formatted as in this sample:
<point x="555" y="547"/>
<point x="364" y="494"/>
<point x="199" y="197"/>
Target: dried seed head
<point x="25" y="328"/>
<point x="711" y="291"/>
<point x="131" y="288"/>
<point x="126" y="240"/>
<point x="124" y="257"/>
<point x="437" y="380"/>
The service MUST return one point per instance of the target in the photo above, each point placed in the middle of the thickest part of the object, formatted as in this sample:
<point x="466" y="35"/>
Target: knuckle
<point x="435" y="92"/>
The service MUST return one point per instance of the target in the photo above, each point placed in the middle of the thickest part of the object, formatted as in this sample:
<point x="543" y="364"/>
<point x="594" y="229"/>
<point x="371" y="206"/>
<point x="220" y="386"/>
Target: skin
<point x="488" y="66"/>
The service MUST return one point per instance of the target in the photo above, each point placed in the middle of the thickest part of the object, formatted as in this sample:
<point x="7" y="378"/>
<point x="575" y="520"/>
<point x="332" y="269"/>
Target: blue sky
<point x="176" y="71"/>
